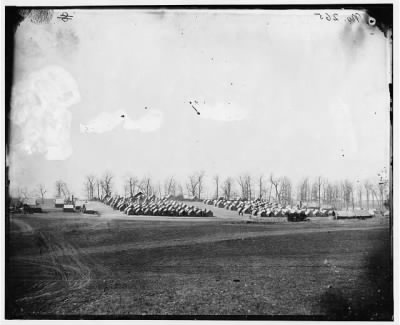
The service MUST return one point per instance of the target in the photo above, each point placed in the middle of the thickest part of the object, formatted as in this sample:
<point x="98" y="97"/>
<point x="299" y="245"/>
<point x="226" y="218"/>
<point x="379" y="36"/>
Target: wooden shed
<point x="59" y="203"/>
<point x="356" y="214"/>
<point x="68" y="207"/>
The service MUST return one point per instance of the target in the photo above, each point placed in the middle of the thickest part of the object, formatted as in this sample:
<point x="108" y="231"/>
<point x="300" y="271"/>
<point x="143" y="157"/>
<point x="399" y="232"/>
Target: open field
<point x="69" y="264"/>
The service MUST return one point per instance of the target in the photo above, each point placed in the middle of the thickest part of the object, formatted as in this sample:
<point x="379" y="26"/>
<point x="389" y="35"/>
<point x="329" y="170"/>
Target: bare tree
<point x="383" y="188"/>
<point x="260" y="187"/>
<point x="216" y="180"/>
<point x="106" y="182"/>
<point x="304" y="190"/>
<point x="375" y="197"/>
<point x="200" y="183"/>
<point x="42" y="190"/>
<point x="159" y="192"/>
<point x="22" y="193"/>
<point x="285" y="192"/>
<point x="319" y="183"/>
<point x="347" y="193"/>
<point x="126" y="190"/>
<point x="191" y="185"/>
<point x="330" y="194"/>
<point x="59" y="186"/>
<point x="131" y="184"/>
<point x="276" y="183"/>
<point x="245" y="184"/>
<point x="65" y="191"/>
<point x="227" y="188"/>
<point x="359" y="189"/>
<point x="170" y="186"/>
<point x="179" y="189"/>
<point x="367" y="187"/>
<point x="146" y="186"/>
<point x="90" y="186"/>
<point x="62" y="189"/>
<point x="99" y="188"/>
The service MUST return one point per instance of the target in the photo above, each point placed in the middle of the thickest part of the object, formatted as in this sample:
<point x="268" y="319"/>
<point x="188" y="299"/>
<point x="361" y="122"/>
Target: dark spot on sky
<point x="145" y="107"/>
<point x="198" y="113"/>
<point x="122" y="116"/>
<point x="375" y="113"/>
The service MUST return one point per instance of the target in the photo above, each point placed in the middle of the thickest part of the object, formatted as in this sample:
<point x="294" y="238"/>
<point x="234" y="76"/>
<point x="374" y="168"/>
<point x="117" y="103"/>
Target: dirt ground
<point x="70" y="265"/>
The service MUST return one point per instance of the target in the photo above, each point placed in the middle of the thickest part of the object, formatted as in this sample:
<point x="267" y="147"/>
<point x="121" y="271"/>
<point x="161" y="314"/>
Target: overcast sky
<point x="277" y="91"/>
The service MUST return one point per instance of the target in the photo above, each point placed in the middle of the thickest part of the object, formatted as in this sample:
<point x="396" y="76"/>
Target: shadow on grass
<point x="373" y="300"/>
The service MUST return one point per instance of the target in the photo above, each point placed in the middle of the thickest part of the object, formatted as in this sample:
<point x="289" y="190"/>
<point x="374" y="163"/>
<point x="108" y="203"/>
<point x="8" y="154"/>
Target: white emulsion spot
<point x="39" y="106"/>
<point x="107" y="121"/>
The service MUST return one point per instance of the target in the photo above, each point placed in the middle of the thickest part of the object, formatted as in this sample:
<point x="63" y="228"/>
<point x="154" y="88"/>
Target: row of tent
<point x="267" y="209"/>
<point x="152" y="206"/>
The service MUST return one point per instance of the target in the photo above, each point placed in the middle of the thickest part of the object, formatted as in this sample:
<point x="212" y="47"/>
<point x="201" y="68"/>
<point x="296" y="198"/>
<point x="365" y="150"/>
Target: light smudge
<point x="108" y="121"/>
<point x="39" y="107"/>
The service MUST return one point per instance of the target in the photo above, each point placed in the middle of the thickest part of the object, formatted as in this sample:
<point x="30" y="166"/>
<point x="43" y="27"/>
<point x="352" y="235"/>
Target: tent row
<point x="267" y="209"/>
<point x="152" y="206"/>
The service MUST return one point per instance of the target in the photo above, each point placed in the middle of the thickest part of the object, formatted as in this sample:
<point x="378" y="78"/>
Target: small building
<point x="30" y="201"/>
<point x="31" y="205"/>
<point x="59" y="203"/>
<point x="356" y="214"/>
<point x="68" y="207"/>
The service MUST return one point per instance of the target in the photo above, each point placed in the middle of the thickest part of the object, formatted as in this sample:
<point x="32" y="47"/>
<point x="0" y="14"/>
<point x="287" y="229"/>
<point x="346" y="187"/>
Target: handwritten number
<point x="327" y="16"/>
<point x="65" y="17"/>
<point x="335" y="17"/>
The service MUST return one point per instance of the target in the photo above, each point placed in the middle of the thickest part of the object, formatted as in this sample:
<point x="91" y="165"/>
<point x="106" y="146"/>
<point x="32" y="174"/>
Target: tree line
<point x="318" y="191"/>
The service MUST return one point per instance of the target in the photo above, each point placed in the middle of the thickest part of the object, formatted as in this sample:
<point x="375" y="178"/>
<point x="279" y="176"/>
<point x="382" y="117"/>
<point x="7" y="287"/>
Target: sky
<point x="280" y="92"/>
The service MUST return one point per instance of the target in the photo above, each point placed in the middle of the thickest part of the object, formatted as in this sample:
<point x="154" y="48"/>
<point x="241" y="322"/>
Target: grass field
<point x="71" y="265"/>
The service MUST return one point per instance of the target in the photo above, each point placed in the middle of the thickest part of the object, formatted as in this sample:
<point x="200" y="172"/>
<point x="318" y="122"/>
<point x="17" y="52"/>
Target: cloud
<point x="149" y="122"/>
<point x="39" y="106"/>
<point x="104" y="122"/>
<point x="227" y="112"/>
<point x="107" y="121"/>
